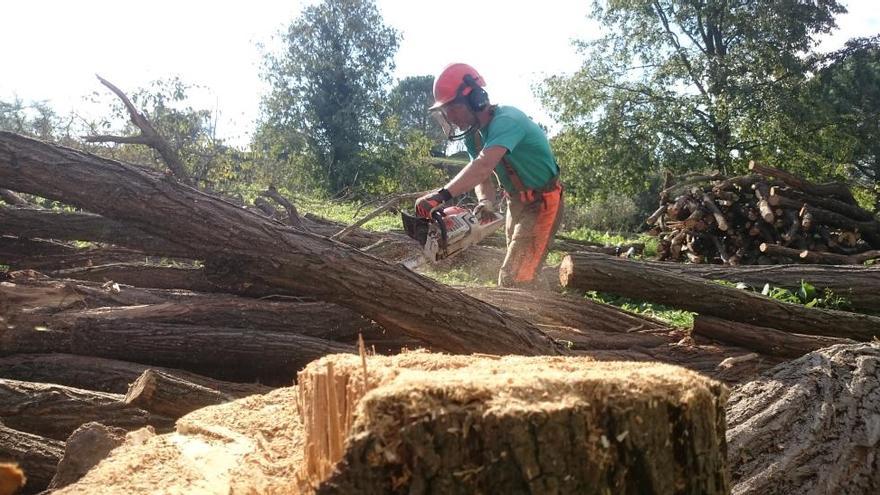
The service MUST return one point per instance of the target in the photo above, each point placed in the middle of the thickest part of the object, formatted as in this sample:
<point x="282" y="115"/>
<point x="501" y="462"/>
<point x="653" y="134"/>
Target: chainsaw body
<point x="449" y="231"/>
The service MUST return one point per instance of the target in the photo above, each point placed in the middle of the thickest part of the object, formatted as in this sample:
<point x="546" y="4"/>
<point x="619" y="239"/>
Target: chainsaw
<point x="449" y="231"/>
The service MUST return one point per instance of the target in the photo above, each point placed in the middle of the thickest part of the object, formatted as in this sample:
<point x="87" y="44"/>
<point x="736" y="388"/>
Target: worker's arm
<point x="477" y="173"/>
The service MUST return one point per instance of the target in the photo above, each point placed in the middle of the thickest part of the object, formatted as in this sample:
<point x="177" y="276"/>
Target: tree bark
<point x="81" y="226"/>
<point x="836" y="189"/>
<point x="146" y="276"/>
<point x="54" y="411"/>
<point x="38" y="456"/>
<point x="172" y="396"/>
<point x="860" y="285"/>
<point x="24" y="254"/>
<point x="224" y="353"/>
<point x="820" y="257"/>
<point x="643" y="281"/>
<point x="104" y="375"/>
<point x="783" y="428"/>
<point x="762" y="339"/>
<point x="255" y="248"/>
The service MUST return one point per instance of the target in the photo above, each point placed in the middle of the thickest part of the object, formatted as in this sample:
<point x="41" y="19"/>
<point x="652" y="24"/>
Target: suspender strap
<point x="511" y="173"/>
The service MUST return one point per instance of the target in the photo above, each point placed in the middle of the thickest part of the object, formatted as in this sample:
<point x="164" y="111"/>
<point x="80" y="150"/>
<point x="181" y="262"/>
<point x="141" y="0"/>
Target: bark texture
<point x="163" y="393"/>
<point x="809" y="426"/>
<point x="36" y="455"/>
<point x="248" y="247"/>
<point x="642" y="281"/>
<point x="55" y="411"/>
<point x="761" y="339"/>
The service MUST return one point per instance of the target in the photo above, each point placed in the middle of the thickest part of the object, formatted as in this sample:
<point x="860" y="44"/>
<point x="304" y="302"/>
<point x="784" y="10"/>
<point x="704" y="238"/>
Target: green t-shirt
<point x="528" y="150"/>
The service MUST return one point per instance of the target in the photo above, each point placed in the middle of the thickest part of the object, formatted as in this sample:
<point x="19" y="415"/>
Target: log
<point x="55" y="411"/>
<point x="37" y="455"/>
<point x="12" y="198"/>
<point x="21" y="254"/>
<point x="783" y="196"/>
<point x="639" y="280"/>
<point x="819" y="257"/>
<point x="859" y="285"/>
<point x="172" y="396"/>
<point x="836" y="189"/>
<point x="762" y="339"/>
<point x="870" y="230"/>
<point x="85" y="448"/>
<point x="104" y="375"/>
<point x="252" y="247"/>
<point x="81" y="226"/>
<point x="440" y="418"/>
<point x="147" y="276"/>
<point x="783" y="427"/>
<point x="224" y="353"/>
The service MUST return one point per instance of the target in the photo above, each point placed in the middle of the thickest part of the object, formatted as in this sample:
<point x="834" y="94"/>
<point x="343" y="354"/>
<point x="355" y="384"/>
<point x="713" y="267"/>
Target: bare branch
<point x="13" y="198"/>
<point x="392" y="203"/>
<point x="148" y="136"/>
<point x="293" y="218"/>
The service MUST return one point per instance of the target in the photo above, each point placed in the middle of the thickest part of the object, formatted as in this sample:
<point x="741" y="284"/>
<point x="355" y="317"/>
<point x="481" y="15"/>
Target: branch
<point x="148" y="136"/>
<point x="392" y="203"/>
<point x="293" y="218"/>
<point x="13" y="199"/>
<point x="681" y="54"/>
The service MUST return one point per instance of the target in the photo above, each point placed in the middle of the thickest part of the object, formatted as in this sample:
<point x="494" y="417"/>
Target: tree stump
<point x="809" y="426"/>
<point x="430" y="423"/>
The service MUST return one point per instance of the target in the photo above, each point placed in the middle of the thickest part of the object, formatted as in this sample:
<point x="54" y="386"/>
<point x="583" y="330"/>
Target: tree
<point x="327" y="90"/>
<point x="35" y="119"/>
<point x="673" y="83"/>
<point x="409" y="101"/>
<point x="834" y="124"/>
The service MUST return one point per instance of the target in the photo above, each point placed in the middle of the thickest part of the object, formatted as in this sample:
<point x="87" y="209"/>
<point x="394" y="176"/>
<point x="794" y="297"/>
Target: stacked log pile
<point x="766" y="217"/>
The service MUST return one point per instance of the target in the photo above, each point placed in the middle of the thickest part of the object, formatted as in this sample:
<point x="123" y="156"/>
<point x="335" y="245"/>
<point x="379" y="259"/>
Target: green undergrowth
<point x="666" y="314"/>
<point x="806" y="294"/>
<point x="615" y="239"/>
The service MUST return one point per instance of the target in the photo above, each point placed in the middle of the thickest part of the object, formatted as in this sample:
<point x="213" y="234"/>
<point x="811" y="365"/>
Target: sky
<point x="50" y="50"/>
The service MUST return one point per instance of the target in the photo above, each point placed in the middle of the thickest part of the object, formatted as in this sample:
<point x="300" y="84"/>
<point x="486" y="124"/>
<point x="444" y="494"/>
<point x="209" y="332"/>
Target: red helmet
<point x="451" y="83"/>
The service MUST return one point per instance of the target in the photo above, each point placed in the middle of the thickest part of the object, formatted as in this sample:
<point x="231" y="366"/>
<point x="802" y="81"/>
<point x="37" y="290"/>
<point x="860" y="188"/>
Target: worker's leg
<point x="530" y="230"/>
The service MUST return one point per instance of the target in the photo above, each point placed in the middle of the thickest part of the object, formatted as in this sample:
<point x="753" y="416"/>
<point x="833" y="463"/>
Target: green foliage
<point x="35" y="119"/>
<point x="806" y="294"/>
<point x="409" y="102"/>
<point x="672" y="316"/>
<point x="677" y="85"/>
<point x="327" y="93"/>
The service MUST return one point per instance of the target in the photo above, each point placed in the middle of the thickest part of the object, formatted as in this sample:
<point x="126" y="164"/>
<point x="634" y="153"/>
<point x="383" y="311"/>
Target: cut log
<point x="819" y="257"/>
<point x="870" y="230"/>
<point x="638" y="280"/>
<point x="163" y="393"/>
<point x="36" y="455"/>
<point x="252" y="247"/>
<point x="783" y="428"/>
<point x="84" y="449"/>
<point x="792" y="198"/>
<point x="442" y="424"/>
<point x="836" y="189"/>
<point x="55" y="411"/>
<point x="80" y="226"/>
<point x="761" y="339"/>
<point x="103" y="375"/>
<point x="859" y="285"/>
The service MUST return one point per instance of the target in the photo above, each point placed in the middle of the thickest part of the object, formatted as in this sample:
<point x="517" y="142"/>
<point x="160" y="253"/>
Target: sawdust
<point x="251" y="445"/>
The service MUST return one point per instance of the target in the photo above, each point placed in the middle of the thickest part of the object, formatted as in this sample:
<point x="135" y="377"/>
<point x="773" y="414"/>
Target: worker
<point x="504" y="140"/>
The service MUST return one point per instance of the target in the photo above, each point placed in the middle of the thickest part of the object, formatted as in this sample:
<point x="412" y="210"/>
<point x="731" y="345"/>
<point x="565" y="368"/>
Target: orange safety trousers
<point x="533" y="218"/>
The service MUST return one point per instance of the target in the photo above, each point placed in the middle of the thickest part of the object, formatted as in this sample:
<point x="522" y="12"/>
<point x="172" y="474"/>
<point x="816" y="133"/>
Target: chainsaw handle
<point x="437" y="216"/>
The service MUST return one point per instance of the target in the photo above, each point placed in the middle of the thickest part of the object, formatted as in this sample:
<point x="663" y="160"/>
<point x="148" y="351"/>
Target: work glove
<point x="485" y="210"/>
<point x="430" y="202"/>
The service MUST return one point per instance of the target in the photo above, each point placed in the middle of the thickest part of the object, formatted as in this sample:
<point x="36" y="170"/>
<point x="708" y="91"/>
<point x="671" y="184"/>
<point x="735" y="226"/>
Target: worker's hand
<point x="430" y="202"/>
<point x="485" y="210"/>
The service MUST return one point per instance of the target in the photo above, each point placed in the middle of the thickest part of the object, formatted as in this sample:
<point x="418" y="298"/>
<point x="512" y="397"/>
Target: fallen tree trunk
<point x="224" y="353"/>
<point x="245" y="246"/>
<point x="639" y="280"/>
<point x="784" y="427"/>
<point x="38" y="456"/>
<point x="54" y="411"/>
<point x="819" y="257"/>
<point x="81" y="226"/>
<point x="761" y="339"/>
<point x="164" y="393"/>
<point x="104" y="375"/>
<point x="25" y="254"/>
<point x="860" y="285"/>
<point x="144" y="276"/>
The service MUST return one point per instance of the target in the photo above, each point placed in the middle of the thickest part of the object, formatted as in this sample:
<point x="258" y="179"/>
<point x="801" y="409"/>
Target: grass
<point x="614" y="239"/>
<point x="666" y="314"/>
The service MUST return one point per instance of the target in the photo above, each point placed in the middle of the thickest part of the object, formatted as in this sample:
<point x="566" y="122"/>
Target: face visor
<point x="450" y="129"/>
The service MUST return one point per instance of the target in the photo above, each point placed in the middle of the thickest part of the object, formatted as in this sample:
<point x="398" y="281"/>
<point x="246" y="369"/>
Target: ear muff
<point x="476" y="97"/>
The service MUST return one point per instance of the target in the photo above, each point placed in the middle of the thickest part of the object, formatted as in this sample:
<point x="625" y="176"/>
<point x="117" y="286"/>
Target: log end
<point x="434" y="417"/>
<point x="566" y="271"/>
<point x="141" y="391"/>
